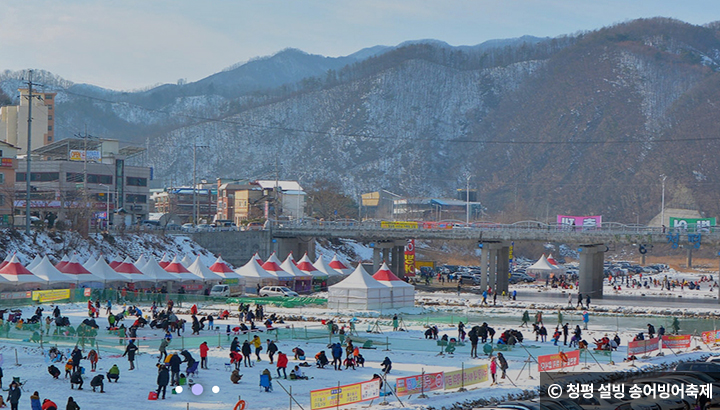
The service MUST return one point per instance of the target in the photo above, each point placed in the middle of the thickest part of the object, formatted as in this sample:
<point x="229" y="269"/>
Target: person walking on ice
<point x="580" y="301"/>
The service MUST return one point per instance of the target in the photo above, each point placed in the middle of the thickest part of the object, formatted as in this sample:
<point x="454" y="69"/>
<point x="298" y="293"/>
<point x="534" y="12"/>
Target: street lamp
<point x="107" y="206"/>
<point x="467" y="198"/>
<point x="662" y="207"/>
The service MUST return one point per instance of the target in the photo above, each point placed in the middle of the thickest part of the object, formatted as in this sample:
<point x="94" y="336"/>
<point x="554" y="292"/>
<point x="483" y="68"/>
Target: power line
<point x="202" y="119"/>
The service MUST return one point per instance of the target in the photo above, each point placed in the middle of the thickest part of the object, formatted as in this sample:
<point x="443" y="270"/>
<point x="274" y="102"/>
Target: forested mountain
<point x="581" y="124"/>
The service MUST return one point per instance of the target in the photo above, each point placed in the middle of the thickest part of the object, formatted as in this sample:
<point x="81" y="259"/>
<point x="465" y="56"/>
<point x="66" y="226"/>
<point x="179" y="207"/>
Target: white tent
<point x="303" y="281"/>
<point x="187" y="260"/>
<point x="255" y="275"/>
<point x="272" y="266"/>
<point x="141" y="262"/>
<point x="49" y="273"/>
<point x="203" y="272"/>
<point x="78" y="272"/>
<point x="403" y="293"/>
<point x="32" y="263"/>
<point x="543" y="269"/>
<point x="339" y="266"/>
<point x="107" y="274"/>
<point x="322" y="270"/>
<point x="164" y="261"/>
<point x="359" y="291"/>
<point x="156" y="273"/>
<point x="90" y="262"/>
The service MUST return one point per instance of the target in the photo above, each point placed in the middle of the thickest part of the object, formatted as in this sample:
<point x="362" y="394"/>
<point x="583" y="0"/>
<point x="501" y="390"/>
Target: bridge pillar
<point x="398" y="261"/>
<point x="386" y="256"/>
<point x="689" y="257"/>
<point x="484" y="262"/>
<point x="493" y="268"/>
<point x="503" y="266"/>
<point x="591" y="270"/>
<point x="285" y="246"/>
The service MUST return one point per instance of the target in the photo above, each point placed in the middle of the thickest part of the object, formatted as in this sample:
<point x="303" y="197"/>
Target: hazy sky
<point x="130" y="44"/>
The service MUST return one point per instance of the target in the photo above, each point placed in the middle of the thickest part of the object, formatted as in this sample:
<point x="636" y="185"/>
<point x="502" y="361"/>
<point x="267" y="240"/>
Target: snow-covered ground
<point x="409" y="351"/>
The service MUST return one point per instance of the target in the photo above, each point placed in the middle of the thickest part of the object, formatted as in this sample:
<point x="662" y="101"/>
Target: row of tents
<point x="186" y="271"/>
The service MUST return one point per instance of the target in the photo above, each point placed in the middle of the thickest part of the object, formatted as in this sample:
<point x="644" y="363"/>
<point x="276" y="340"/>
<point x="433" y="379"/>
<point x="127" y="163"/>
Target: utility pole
<point x="662" y="206"/>
<point x="195" y="207"/>
<point x="467" y="199"/>
<point x="27" y="156"/>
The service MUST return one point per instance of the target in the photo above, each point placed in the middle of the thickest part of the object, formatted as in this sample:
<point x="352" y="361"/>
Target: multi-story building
<point x="8" y="165"/>
<point x="14" y="121"/>
<point x="75" y="174"/>
<point x="434" y="209"/>
<point x="179" y="202"/>
<point x="240" y="201"/>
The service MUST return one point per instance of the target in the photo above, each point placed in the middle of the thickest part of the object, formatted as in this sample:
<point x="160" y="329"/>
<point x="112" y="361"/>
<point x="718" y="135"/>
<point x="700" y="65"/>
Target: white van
<point x="226" y="291"/>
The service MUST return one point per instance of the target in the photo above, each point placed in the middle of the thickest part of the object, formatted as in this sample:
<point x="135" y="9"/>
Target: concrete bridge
<point x="389" y="238"/>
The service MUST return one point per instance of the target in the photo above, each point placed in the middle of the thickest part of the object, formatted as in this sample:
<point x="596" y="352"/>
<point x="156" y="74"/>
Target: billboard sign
<point x="410" y="257"/>
<point x="420" y="383"/>
<point x="676" y="341"/>
<point x="693" y="224"/>
<point x="579" y="222"/>
<point x="80" y="155"/>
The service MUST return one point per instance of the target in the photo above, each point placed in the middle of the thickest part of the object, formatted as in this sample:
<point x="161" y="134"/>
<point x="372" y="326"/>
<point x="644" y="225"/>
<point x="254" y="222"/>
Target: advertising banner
<point x="579" y="222"/>
<point x="230" y="281"/>
<point x="50" y="295"/>
<point x="676" y="341"/>
<point x="692" y="224"/>
<point x="16" y="295"/>
<point x="712" y="336"/>
<point x="343" y="395"/>
<point x="398" y="225"/>
<point x="437" y="225"/>
<point x="643" y="346"/>
<point x="79" y="155"/>
<point x="410" y="257"/>
<point x="471" y="375"/>
<point x="412" y="384"/>
<point x="558" y="360"/>
<point x="6" y="162"/>
<point x="87" y="292"/>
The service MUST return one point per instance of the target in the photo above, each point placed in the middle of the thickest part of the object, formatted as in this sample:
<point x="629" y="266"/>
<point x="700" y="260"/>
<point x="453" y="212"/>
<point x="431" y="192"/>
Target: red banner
<point x="558" y="360"/>
<point x="412" y="384"/>
<point x="676" y="341"/>
<point x="410" y="257"/>
<point x="87" y="292"/>
<point x="712" y="336"/>
<point x="643" y="346"/>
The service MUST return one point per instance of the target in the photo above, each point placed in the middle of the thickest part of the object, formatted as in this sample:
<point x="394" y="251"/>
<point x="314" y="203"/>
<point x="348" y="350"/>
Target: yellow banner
<point x="343" y="395"/>
<point x="398" y="225"/>
<point x="472" y="375"/>
<point x="50" y="295"/>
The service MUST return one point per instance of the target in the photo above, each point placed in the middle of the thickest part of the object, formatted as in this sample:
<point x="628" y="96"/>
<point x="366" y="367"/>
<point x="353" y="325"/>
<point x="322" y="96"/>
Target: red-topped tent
<point x="73" y="267"/>
<point x="403" y="294"/>
<point x="5" y="262"/>
<point x="128" y="267"/>
<point x="14" y="271"/>
<point x="552" y="260"/>
<point x="62" y="263"/>
<point x="272" y="266"/>
<point x="303" y="281"/>
<point x="175" y="266"/>
<point x="115" y="262"/>
<point x="220" y="266"/>
<point x="164" y="261"/>
<point x="336" y="264"/>
<point x="258" y="259"/>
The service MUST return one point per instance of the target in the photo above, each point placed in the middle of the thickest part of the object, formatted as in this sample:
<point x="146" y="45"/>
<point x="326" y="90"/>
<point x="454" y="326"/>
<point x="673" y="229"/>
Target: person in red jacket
<point x="194" y="310"/>
<point x="236" y="359"/>
<point x="203" y="355"/>
<point x="49" y="405"/>
<point x="282" y="362"/>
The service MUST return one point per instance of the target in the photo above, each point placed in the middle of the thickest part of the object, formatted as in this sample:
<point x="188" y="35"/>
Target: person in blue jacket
<point x="35" y="401"/>
<point x="337" y="352"/>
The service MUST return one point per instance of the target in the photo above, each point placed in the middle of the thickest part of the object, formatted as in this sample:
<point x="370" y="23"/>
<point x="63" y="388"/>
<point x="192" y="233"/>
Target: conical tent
<point x="141" y="262"/>
<point x="220" y="266"/>
<point x="542" y="269"/>
<point x="179" y="271"/>
<point x="107" y="274"/>
<point x="203" y="272"/>
<point x="258" y="259"/>
<point x="255" y="275"/>
<point x="130" y="271"/>
<point x="323" y="267"/>
<point x="157" y="274"/>
<point x="15" y="272"/>
<point x="188" y="260"/>
<point x="552" y="260"/>
<point x="403" y="294"/>
<point x="115" y="262"/>
<point x="50" y="274"/>
<point x="5" y="261"/>
<point x="359" y="291"/>
<point x="77" y="271"/>
<point x="339" y="266"/>
<point x="272" y="266"/>
<point x="164" y="261"/>
<point x="30" y="266"/>
<point x="90" y="262"/>
<point x="303" y="281"/>
<point x="62" y="263"/>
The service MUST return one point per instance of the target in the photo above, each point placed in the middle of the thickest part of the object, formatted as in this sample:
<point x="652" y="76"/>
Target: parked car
<point x="203" y="227"/>
<point x="277" y="291"/>
<point x="709" y="368"/>
<point x="517" y="277"/>
<point x="187" y="227"/>
<point x="470" y="278"/>
<point x="253" y="226"/>
<point x="150" y="224"/>
<point x="226" y="291"/>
